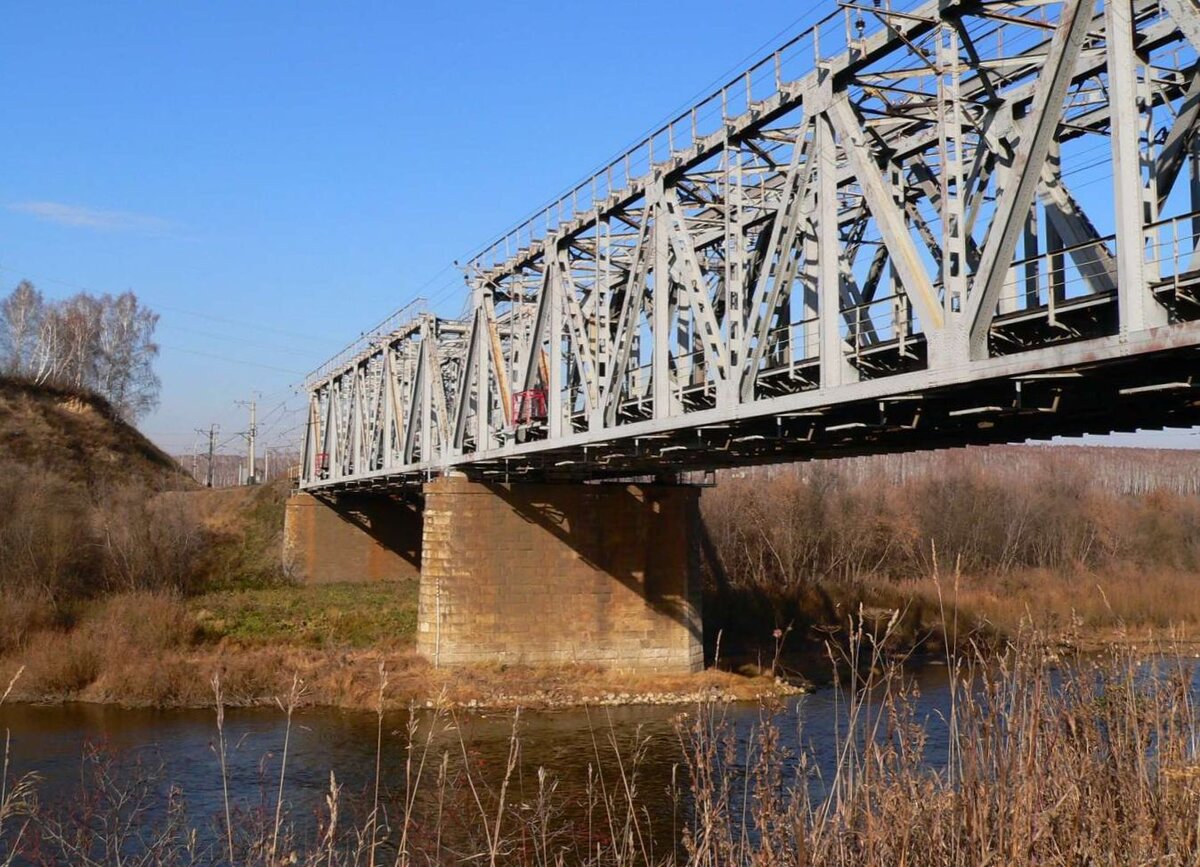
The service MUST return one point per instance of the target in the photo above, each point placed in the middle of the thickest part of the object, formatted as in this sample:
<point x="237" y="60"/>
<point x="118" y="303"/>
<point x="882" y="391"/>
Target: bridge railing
<point x="371" y="336"/>
<point x="1174" y="249"/>
<point x="882" y="320"/>
<point x="1043" y="281"/>
<point x="841" y="31"/>
<point x="793" y="344"/>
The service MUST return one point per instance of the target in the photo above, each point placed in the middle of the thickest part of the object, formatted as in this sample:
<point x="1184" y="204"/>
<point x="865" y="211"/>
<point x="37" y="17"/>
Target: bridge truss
<point x="916" y="224"/>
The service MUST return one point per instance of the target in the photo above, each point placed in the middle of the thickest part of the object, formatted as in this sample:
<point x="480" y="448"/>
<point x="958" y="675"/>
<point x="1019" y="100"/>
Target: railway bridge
<point x="916" y="225"/>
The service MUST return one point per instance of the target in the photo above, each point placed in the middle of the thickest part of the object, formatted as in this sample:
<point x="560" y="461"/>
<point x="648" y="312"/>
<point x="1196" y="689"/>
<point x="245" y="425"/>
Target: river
<point x="71" y="746"/>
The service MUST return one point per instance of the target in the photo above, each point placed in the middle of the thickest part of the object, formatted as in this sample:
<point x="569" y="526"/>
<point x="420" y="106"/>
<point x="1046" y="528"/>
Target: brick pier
<point x="605" y="574"/>
<point x="351" y="537"/>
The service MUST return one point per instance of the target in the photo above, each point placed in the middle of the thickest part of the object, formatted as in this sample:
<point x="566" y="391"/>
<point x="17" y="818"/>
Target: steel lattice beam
<point x="885" y="211"/>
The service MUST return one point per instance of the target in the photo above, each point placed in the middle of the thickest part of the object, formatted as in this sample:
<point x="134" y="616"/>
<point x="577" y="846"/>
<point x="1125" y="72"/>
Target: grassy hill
<point x="77" y="437"/>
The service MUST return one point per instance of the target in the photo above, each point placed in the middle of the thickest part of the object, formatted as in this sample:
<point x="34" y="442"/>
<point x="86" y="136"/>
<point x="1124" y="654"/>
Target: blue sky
<point x="273" y="178"/>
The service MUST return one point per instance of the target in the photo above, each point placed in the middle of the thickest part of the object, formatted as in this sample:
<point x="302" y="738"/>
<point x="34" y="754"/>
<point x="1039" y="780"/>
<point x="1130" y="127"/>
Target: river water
<point x="66" y="744"/>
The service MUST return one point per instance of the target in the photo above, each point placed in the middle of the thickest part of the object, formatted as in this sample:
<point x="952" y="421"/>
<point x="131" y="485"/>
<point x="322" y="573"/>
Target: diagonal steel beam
<point x="391" y="421"/>
<point x="541" y="319"/>
<point x="1186" y="15"/>
<point x="889" y="216"/>
<point x="1175" y="149"/>
<point x="466" y="376"/>
<point x="777" y="266"/>
<point x="499" y="364"/>
<point x="631" y="306"/>
<point x="585" y="359"/>
<point x="437" y="387"/>
<point x="1091" y="256"/>
<point x="1038" y="131"/>
<point x="694" y="284"/>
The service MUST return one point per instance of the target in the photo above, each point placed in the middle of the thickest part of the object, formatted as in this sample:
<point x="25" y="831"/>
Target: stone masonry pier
<point x="522" y="573"/>
<point x="351" y="537"/>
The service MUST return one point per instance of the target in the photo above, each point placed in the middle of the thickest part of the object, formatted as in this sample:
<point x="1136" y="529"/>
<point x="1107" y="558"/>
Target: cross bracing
<point x="916" y="224"/>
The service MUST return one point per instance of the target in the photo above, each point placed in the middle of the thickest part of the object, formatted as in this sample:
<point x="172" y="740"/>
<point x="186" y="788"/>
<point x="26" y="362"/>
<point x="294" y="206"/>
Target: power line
<point x="231" y="360"/>
<point x="43" y="278"/>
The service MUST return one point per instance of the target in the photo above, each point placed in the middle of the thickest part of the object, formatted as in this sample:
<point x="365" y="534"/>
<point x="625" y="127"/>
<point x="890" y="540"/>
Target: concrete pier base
<point x="351" y="537"/>
<point x="603" y="574"/>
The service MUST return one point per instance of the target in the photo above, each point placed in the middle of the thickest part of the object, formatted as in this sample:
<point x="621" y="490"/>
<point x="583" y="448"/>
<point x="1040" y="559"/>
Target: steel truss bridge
<point x="917" y="224"/>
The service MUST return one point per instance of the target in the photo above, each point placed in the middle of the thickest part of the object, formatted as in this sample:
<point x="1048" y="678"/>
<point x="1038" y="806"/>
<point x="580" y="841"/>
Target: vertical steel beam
<point x="331" y="430"/>
<point x="835" y="370"/>
<point x="735" y="268"/>
<point x="660" y="358"/>
<point x="553" y="288"/>
<point x="951" y="192"/>
<point x="1136" y="307"/>
<point x="437" y="386"/>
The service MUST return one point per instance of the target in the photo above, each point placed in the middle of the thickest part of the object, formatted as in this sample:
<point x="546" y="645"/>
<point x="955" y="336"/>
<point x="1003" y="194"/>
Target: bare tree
<point x="79" y="325"/>
<point x="104" y="344"/>
<point x="47" y="359"/>
<point x="20" y="320"/>
<point x="124" y="363"/>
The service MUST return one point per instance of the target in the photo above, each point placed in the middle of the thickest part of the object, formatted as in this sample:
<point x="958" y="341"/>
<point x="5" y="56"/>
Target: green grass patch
<point x="324" y="615"/>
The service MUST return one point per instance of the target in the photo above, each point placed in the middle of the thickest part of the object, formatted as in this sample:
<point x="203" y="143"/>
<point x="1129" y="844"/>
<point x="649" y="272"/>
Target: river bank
<point x="161" y="650"/>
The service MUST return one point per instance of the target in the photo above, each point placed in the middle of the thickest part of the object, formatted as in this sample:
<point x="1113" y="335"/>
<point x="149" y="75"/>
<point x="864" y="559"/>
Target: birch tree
<point x="103" y="344"/>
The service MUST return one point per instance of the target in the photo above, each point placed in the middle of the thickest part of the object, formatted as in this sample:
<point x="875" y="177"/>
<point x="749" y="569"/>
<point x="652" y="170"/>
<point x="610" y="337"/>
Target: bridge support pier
<point x="351" y="537"/>
<point x="538" y="573"/>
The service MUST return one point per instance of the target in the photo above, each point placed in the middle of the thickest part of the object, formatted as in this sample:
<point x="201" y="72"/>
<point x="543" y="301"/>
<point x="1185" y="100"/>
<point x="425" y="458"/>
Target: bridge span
<point x="917" y="224"/>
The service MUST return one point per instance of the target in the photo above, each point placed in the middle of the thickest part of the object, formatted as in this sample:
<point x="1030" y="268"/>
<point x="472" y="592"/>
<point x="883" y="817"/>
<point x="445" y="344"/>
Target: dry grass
<point x="78" y="436"/>
<point x="70" y="668"/>
<point x="158" y="649"/>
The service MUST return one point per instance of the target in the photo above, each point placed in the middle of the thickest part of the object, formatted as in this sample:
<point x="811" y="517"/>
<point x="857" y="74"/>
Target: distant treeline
<point x="1118" y="470"/>
<point x="982" y="511"/>
<point x="103" y="344"/>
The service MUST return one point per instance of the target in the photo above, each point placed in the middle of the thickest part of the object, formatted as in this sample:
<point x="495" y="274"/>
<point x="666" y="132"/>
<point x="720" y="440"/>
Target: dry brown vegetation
<point x="159" y="649"/>
<point x="1046" y="536"/>
<point x="120" y="582"/>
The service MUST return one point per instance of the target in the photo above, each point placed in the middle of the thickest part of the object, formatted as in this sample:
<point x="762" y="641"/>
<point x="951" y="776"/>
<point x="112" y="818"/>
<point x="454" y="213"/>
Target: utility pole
<point x="267" y="464"/>
<point x="250" y="435"/>
<point x="211" y="433"/>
